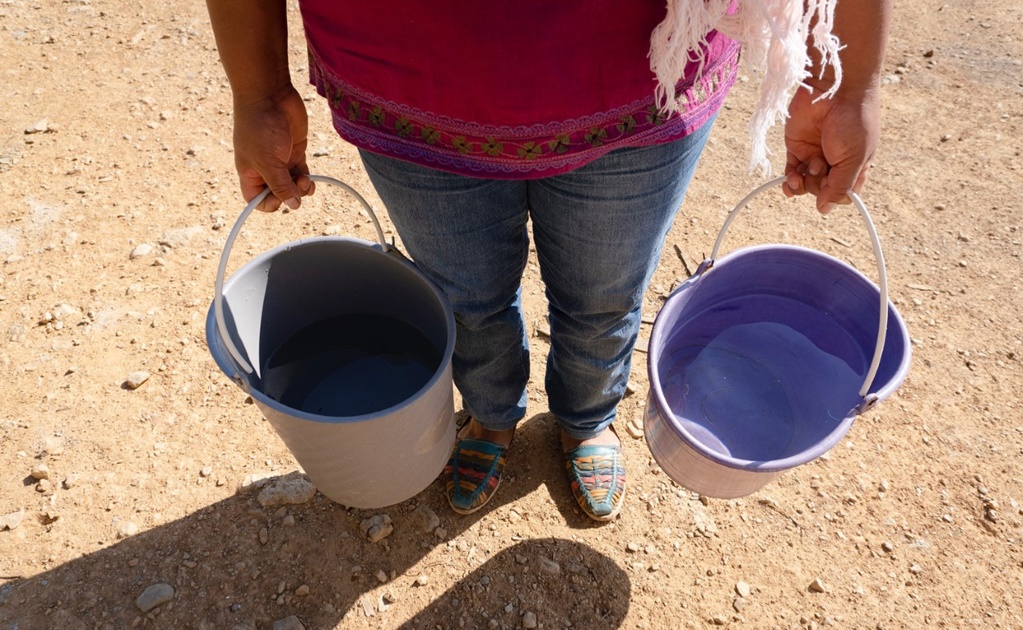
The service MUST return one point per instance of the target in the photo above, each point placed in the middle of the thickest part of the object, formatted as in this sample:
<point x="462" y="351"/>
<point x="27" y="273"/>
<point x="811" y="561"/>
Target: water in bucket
<point x="350" y="365"/>
<point x="745" y="387"/>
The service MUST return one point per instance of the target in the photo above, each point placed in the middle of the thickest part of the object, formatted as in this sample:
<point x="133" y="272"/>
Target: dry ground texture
<point x="115" y="133"/>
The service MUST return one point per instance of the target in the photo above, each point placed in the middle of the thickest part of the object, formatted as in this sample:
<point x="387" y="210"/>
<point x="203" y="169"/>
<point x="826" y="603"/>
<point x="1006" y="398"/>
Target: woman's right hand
<point x="270" y="138"/>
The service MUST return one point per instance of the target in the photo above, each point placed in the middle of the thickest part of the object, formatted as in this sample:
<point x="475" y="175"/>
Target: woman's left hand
<point x="830" y="143"/>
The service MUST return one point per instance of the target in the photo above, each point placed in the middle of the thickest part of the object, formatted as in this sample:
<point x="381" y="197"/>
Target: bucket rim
<point x="227" y="365"/>
<point x="896" y="325"/>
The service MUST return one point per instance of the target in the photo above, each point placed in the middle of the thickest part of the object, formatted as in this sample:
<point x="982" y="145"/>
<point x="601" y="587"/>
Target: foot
<point x="596" y="473"/>
<point x="474" y="471"/>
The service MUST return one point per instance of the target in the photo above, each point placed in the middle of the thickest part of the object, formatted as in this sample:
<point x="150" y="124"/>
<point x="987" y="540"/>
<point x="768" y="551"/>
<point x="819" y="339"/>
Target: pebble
<point x="288" y="623"/>
<point x="743" y="589"/>
<point x="292" y="489"/>
<point x="264" y="535"/>
<point x="180" y="237"/>
<point x="441" y="533"/>
<point x="549" y="566"/>
<point x="44" y="486"/>
<point x="887" y="547"/>
<point x="422" y="580"/>
<point x="153" y="596"/>
<point x="142" y="249"/>
<point x="529" y="619"/>
<point x="632" y="547"/>
<point x="127" y="530"/>
<point x="380" y="575"/>
<point x="40" y="471"/>
<point x="254" y="481"/>
<point x="136" y="379"/>
<point x="817" y="586"/>
<point x="634" y="430"/>
<point x="288" y="521"/>
<point x="425" y="519"/>
<point x="206" y="471"/>
<point x="302" y="590"/>
<point x="40" y="126"/>
<point x="719" y="620"/>
<point x="377" y="527"/>
<point x="12" y="520"/>
<point x="738" y="604"/>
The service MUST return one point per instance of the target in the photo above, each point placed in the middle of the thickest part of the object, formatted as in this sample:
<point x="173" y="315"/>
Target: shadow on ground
<point x="227" y="572"/>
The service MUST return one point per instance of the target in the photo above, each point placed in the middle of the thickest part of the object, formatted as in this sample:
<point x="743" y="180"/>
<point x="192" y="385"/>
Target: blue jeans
<point x="599" y="231"/>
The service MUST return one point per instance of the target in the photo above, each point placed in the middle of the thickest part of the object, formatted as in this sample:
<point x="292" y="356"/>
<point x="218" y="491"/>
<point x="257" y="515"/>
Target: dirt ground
<point x="117" y="174"/>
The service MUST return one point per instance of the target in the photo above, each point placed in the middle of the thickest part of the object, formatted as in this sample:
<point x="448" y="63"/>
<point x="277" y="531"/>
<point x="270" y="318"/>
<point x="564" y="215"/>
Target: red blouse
<point x="502" y="89"/>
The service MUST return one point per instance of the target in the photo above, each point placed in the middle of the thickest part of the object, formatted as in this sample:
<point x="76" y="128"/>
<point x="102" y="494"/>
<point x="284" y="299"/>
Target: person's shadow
<point x="235" y="564"/>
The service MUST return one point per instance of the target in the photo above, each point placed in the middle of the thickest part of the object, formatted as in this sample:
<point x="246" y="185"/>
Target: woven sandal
<point x="597" y="477"/>
<point x="473" y="474"/>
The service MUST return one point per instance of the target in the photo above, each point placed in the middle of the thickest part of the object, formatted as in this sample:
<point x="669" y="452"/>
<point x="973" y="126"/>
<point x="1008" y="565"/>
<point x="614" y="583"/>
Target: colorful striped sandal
<point x="473" y="474"/>
<point x="597" y="478"/>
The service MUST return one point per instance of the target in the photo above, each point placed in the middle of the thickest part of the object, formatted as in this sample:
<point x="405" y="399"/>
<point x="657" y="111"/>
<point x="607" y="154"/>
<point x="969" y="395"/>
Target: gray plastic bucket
<point x="761" y="361"/>
<point x="366" y="461"/>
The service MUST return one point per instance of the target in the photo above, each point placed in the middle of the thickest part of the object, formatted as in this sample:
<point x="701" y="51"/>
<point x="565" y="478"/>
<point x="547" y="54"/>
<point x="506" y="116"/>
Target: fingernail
<point x="826" y="208"/>
<point x="292" y="203"/>
<point x="815" y="169"/>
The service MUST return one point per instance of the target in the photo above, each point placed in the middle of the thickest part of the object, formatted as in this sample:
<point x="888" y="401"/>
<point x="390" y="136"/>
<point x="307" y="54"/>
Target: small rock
<point x="12" y="520"/>
<point x="549" y="566"/>
<point x="425" y="519"/>
<point x="743" y="589"/>
<point x="40" y="471"/>
<point x="254" y="481"/>
<point x="288" y="521"/>
<point x="292" y="489"/>
<point x="817" y="586"/>
<point x="422" y="580"/>
<point x="380" y="575"/>
<point x="915" y="569"/>
<point x="288" y="623"/>
<point x="44" y="486"/>
<point x="302" y="591"/>
<point x="738" y="604"/>
<point x="264" y="535"/>
<point x="40" y="126"/>
<point x="719" y="620"/>
<point x="634" y="430"/>
<point x="127" y="529"/>
<point x="206" y="471"/>
<point x="441" y="533"/>
<point x="887" y="547"/>
<point x="529" y="619"/>
<point x="142" y="249"/>
<point x="136" y="379"/>
<point x="153" y="596"/>
<point x="377" y="528"/>
<point x="632" y="547"/>
<point x="180" y="237"/>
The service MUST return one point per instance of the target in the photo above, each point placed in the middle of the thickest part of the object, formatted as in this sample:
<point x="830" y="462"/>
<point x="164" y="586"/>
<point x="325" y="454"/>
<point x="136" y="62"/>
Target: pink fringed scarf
<point x="774" y="35"/>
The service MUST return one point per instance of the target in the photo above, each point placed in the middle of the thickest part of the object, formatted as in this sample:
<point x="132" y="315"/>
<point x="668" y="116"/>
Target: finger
<point x="283" y="187"/>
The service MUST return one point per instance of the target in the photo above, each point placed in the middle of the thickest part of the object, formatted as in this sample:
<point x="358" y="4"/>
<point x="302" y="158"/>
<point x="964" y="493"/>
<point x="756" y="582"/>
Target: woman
<point x="473" y="117"/>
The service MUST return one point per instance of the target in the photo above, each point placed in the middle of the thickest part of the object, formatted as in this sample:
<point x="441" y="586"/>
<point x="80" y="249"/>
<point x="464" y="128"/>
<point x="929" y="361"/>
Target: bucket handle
<point x="882" y="328"/>
<point x="218" y="299"/>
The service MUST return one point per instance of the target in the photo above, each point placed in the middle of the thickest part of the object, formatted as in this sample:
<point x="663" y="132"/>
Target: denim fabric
<point x="598" y="231"/>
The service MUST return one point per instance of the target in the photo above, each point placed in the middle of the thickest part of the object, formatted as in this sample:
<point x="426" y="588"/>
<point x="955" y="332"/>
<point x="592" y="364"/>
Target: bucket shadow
<point x="235" y="563"/>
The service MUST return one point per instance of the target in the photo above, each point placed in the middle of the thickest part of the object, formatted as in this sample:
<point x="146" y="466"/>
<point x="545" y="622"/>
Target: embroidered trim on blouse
<point x="382" y="126"/>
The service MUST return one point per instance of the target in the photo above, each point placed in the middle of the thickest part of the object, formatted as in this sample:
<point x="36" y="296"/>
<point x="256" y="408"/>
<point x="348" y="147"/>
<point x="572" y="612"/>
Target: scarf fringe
<point x="773" y="34"/>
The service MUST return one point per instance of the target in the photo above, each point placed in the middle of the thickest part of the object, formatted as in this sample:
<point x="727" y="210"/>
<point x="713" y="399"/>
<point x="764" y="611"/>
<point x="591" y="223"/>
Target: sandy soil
<point x="115" y="133"/>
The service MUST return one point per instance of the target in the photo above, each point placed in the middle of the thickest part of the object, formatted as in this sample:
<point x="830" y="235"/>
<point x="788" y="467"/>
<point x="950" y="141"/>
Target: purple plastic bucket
<point x="761" y="361"/>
